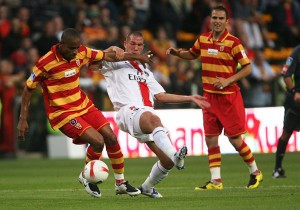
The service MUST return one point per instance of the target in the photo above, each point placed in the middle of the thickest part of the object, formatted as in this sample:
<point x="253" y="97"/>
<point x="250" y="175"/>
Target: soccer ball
<point x="95" y="171"/>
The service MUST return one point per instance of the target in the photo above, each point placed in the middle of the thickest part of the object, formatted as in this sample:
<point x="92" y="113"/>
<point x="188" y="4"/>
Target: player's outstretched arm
<point x="22" y="126"/>
<point x="174" y="98"/>
<point x="181" y="53"/>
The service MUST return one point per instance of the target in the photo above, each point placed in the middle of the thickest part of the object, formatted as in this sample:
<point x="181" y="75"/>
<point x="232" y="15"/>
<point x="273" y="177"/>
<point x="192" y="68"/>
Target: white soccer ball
<point x="96" y="171"/>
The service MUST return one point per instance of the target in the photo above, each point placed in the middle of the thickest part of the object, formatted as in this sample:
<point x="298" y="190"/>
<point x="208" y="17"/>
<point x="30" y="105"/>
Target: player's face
<point x="68" y="50"/>
<point x="134" y="45"/>
<point x="218" y="21"/>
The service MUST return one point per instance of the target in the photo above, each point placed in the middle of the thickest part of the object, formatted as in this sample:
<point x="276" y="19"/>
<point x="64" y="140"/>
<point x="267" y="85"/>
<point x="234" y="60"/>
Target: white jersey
<point x="129" y="83"/>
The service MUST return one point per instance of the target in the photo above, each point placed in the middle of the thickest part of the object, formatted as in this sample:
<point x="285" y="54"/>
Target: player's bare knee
<point x="97" y="146"/>
<point x="111" y="140"/>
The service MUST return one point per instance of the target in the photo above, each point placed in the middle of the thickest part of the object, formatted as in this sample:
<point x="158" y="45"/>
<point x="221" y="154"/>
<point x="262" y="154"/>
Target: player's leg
<point x="117" y="161"/>
<point x="245" y="152"/>
<point x="149" y="123"/>
<point x="233" y="130"/>
<point x="291" y="123"/>
<point x="159" y="172"/>
<point x="84" y="133"/>
<point x="214" y="160"/>
<point x="213" y="129"/>
<point x="279" y="155"/>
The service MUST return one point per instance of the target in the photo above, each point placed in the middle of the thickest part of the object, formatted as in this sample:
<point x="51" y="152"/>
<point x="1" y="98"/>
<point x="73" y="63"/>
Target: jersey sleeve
<point x="107" y="67"/>
<point x="153" y="85"/>
<point x="195" y="49"/>
<point x="290" y="65"/>
<point x="94" y="55"/>
<point x="239" y="54"/>
<point x="37" y="75"/>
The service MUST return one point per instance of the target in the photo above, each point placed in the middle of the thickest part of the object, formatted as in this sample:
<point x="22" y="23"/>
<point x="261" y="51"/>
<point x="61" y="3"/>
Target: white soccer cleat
<point x="152" y="193"/>
<point x="179" y="157"/>
<point x="126" y="188"/>
<point x="90" y="188"/>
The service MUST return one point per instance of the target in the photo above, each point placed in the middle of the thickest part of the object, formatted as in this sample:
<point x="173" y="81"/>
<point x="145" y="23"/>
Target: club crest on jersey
<point x="70" y="73"/>
<point x="76" y="124"/>
<point x="222" y="48"/>
<point x="32" y="76"/>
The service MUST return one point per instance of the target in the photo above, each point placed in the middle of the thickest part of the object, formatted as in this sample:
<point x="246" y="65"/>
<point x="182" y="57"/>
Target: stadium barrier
<point x="185" y="126"/>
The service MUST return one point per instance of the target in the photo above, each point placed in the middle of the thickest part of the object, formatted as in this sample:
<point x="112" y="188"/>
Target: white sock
<point x="215" y="173"/>
<point x="157" y="174"/>
<point x="252" y="167"/>
<point x="161" y="139"/>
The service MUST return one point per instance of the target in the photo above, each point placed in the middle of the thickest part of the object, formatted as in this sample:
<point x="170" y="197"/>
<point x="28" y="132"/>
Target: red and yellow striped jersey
<point x="219" y="59"/>
<point x="59" y="80"/>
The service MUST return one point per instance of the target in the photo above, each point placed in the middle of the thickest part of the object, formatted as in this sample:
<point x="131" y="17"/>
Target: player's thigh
<point x="81" y="131"/>
<point x="95" y="118"/>
<point x="233" y="118"/>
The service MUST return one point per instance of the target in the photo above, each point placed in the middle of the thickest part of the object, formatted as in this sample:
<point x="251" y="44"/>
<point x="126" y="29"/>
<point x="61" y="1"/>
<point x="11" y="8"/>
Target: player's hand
<point x="146" y="58"/>
<point x="220" y="83"/>
<point x="173" y="51"/>
<point x="119" y="52"/>
<point x="22" y="128"/>
<point x="200" y="101"/>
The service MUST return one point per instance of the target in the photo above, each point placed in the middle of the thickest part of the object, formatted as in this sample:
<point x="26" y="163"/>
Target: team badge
<point x="222" y="48"/>
<point x="76" y="124"/>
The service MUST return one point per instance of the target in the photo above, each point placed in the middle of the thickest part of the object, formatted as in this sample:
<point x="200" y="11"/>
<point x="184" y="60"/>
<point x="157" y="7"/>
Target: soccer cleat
<point x="210" y="186"/>
<point x="278" y="173"/>
<point x="90" y="188"/>
<point x="152" y="193"/>
<point x="255" y="180"/>
<point x="126" y="188"/>
<point x="179" y="157"/>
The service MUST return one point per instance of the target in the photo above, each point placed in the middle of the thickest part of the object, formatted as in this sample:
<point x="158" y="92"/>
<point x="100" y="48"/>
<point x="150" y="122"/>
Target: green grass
<point x="52" y="184"/>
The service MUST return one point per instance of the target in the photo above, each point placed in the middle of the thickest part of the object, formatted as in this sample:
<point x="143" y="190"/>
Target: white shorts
<point x="128" y="118"/>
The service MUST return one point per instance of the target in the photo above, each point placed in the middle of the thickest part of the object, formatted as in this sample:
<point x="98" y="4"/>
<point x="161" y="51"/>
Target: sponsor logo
<point x="136" y="78"/>
<point x="70" y="73"/>
<point x="212" y="52"/>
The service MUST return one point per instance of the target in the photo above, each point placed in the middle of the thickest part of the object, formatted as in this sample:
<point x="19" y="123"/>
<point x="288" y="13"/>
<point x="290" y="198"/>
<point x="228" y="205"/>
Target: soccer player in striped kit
<point x="70" y="110"/>
<point x="132" y="90"/>
<point x="220" y="52"/>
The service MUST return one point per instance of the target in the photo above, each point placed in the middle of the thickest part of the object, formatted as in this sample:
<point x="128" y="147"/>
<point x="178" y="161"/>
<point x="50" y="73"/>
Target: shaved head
<point x="69" y="34"/>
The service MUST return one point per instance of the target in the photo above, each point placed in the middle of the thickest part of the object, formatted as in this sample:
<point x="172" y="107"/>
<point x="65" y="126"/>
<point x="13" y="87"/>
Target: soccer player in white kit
<point x="132" y="88"/>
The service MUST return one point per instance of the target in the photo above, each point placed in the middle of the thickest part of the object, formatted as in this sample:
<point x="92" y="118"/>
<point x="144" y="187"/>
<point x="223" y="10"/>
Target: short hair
<point x="135" y="33"/>
<point x="69" y="34"/>
<point x="221" y="8"/>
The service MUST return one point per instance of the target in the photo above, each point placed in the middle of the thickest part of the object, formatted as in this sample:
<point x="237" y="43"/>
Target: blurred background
<point x="269" y="30"/>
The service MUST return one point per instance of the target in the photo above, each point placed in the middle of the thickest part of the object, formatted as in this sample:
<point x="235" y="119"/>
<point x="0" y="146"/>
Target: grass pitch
<point x="53" y="184"/>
